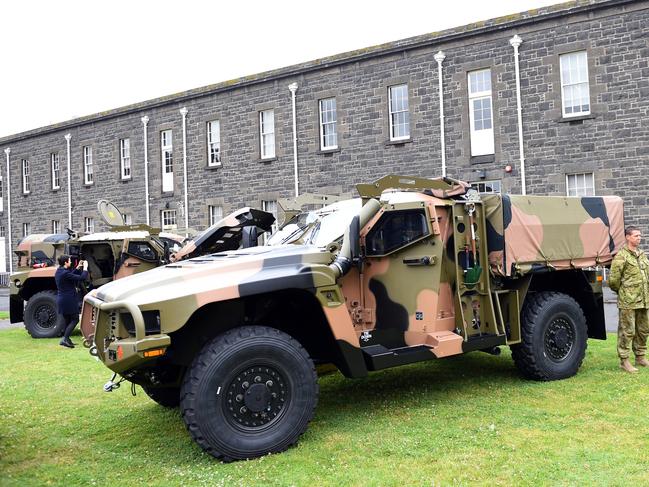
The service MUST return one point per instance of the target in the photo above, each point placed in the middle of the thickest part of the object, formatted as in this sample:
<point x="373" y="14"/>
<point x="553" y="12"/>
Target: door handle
<point x="420" y="261"/>
<point x="132" y="264"/>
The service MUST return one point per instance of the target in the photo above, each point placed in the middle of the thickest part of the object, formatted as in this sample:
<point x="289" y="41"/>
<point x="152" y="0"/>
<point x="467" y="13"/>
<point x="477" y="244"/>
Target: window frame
<point x="167" y="160"/>
<point x="88" y="170"/>
<point x="2" y="193"/>
<point x="24" y="165"/>
<point x="567" y="56"/>
<point x="482" y="141"/>
<point x="89" y="224"/>
<point x="170" y="211"/>
<point x="264" y="148"/>
<point x="27" y="229"/>
<point x="56" y="172"/>
<point x="323" y="124"/>
<point x="126" y="172"/>
<point x="388" y="214"/>
<point x="392" y="112"/>
<point x="211" y="213"/>
<point x="56" y="226"/>
<point x="213" y="144"/>
<point x="577" y="188"/>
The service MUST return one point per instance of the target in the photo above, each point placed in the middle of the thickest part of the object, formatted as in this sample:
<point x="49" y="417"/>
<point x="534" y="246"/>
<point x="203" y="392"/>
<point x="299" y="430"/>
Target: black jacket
<point x="67" y="299"/>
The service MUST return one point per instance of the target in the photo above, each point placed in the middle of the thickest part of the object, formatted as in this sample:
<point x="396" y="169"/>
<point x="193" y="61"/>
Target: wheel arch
<point x="34" y="285"/>
<point x="576" y="284"/>
<point x="296" y="312"/>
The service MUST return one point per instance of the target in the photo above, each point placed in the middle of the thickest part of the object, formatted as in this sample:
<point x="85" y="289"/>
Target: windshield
<point x="318" y="227"/>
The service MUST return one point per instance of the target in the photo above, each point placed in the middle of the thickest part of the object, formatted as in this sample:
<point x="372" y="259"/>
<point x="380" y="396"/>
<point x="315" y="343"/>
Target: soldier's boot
<point x="626" y="366"/>
<point x="641" y="361"/>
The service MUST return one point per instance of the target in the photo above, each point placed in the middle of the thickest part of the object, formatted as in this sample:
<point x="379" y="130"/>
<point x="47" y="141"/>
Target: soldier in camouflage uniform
<point x="629" y="279"/>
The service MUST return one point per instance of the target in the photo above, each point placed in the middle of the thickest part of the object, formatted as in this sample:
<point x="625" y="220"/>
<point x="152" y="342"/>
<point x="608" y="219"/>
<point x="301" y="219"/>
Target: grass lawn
<point x="4" y="315"/>
<point x="457" y="421"/>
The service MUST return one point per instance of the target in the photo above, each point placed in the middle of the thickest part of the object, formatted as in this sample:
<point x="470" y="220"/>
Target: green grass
<point x="458" y="421"/>
<point x="4" y="315"/>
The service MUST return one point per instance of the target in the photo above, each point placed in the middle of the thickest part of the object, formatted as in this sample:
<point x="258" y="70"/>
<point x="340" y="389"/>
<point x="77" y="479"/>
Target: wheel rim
<point x="559" y="339"/>
<point x="256" y="397"/>
<point x="45" y="316"/>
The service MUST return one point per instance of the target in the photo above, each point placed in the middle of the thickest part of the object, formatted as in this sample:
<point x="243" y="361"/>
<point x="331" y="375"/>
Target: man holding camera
<point x="67" y="299"/>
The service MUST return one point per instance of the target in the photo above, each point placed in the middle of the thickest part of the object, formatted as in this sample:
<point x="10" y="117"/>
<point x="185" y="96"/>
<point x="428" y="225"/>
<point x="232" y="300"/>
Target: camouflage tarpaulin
<point x="542" y="233"/>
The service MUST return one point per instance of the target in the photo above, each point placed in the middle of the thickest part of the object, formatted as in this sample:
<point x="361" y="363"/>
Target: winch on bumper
<point x="121" y="353"/>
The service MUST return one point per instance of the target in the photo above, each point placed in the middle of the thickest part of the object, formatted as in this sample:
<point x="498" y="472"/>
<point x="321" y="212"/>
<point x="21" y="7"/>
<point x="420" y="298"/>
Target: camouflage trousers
<point x="632" y="332"/>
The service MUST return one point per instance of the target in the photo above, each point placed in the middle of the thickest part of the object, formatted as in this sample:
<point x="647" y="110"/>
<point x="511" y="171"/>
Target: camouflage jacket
<point x="628" y="278"/>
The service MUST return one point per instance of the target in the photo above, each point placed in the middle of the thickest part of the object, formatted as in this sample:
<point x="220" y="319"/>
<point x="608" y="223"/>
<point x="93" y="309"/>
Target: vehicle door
<point x="406" y="288"/>
<point x="137" y="256"/>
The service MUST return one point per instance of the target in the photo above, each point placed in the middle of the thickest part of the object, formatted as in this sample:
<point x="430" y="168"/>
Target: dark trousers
<point x="70" y="324"/>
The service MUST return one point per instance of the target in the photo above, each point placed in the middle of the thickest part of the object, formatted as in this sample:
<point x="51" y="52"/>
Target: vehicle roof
<point x="114" y="236"/>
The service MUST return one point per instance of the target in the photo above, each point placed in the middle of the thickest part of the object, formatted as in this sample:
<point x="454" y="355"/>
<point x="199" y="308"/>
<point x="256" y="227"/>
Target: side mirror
<point x="354" y="240"/>
<point x="249" y="237"/>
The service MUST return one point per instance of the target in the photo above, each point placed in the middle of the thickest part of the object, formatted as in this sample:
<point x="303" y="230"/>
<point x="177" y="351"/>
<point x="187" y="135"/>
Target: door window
<point x="395" y="230"/>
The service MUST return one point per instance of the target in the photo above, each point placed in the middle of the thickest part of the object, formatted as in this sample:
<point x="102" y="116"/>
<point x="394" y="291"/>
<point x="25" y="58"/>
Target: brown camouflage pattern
<point x="406" y="303"/>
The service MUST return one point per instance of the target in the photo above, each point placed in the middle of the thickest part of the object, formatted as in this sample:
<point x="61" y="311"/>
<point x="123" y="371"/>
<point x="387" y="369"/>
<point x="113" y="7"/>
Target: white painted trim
<point x="68" y="137"/>
<point x="293" y="88"/>
<point x="515" y="42"/>
<point x="145" y="122"/>
<point x="183" y="112"/>
<point x="7" y="152"/>
<point x="439" y="57"/>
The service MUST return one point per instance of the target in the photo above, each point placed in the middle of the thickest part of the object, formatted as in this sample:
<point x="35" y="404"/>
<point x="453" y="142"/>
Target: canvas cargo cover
<point x="538" y="233"/>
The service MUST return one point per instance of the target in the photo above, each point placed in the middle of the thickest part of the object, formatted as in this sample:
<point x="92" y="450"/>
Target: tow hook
<point x="111" y="385"/>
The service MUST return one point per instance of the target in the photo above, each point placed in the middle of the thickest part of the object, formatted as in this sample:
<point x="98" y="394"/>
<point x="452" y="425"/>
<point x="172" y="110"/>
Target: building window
<point x="582" y="184"/>
<point x="267" y="133"/>
<point x="215" y="213"/>
<point x="487" y="186"/>
<point x="574" y="84"/>
<point x="270" y="206"/>
<point x="27" y="229"/>
<point x="166" y="148"/>
<point x="3" y="231"/>
<point x="87" y="165"/>
<point x="89" y="224"/>
<point x="1" y="194"/>
<point x="56" y="226"/>
<point x="168" y="218"/>
<point x="213" y="143"/>
<point x="128" y="219"/>
<point x="125" y="157"/>
<point x="328" y="117"/>
<point x="399" y="115"/>
<point x="480" y="112"/>
<point x="25" y="166"/>
<point x="55" y="166"/>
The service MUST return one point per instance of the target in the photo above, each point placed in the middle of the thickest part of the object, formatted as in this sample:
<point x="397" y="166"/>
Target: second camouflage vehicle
<point x="123" y="251"/>
<point x="427" y="269"/>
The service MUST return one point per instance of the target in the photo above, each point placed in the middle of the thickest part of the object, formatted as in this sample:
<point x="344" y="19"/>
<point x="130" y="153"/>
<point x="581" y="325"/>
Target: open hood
<point x="226" y="234"/>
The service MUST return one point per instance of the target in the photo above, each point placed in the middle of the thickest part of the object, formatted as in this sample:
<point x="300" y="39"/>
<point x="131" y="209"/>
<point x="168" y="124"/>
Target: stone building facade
<point x="584" y="101"/>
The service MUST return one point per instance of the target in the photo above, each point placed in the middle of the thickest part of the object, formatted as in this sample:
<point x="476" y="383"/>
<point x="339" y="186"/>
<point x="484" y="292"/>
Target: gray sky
<point x="66" y="59"/>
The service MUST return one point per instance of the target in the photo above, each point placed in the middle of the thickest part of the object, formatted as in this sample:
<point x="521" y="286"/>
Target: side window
<point x="141" y="250"/>
<point x="394" y="230"/>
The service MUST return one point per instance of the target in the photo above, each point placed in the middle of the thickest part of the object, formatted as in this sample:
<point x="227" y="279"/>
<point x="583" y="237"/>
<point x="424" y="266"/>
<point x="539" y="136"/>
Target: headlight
<point x="17" y="283"/>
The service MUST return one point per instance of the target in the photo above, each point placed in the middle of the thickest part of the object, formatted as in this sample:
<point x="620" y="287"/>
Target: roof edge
<point x="469" y="30"/>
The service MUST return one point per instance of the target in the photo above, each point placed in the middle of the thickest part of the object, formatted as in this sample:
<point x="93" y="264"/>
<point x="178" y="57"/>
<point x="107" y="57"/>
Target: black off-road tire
<point x="168" y="397"/>
<point x="249" y="392"/>
<point x="553" y="337"/>
<point x="41" y="316"/>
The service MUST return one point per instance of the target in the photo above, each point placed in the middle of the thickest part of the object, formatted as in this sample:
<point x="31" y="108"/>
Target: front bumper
<point x="121" y="354"/>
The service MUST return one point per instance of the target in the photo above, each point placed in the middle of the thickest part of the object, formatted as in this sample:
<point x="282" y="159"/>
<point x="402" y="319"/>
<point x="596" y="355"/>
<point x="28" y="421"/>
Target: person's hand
<point x="85" y="265"/>
<point x="80" y="264"/>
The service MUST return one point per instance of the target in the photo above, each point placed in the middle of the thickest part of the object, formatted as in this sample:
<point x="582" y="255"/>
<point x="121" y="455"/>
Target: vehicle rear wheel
<point x="249" y="392"/>
<point x="41" y="317"/>
<point x="553" y="337"/>
<point x="168" y="397"/>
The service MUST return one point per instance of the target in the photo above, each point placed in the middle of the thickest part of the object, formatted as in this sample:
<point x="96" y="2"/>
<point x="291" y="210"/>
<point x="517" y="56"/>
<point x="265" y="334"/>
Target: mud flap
<point x="16" y="309"/>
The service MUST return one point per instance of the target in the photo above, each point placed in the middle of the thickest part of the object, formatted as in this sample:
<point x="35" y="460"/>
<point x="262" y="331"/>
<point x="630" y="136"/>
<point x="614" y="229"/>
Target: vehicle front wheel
<point x="249" y="392"/>
<point x="41" y="317"/>
<point x="553" y="337"/>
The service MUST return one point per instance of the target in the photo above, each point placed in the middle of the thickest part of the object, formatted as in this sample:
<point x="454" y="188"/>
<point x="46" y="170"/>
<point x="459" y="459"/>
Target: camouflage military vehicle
<point x="125" y="250"/>
<point x="427" y="270"/>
